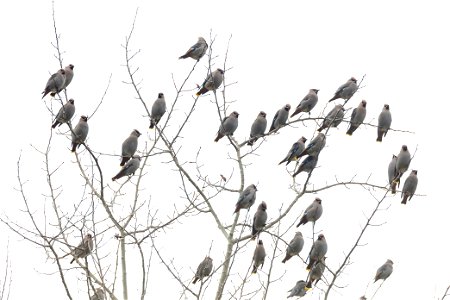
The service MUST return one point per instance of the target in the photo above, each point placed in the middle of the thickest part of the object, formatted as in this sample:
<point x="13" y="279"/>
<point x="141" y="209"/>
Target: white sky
<point x="277" y="53"/>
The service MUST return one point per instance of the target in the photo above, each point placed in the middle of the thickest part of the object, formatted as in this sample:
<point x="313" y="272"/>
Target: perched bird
<point x="384" y="122"/>
<point x="358" y="116"/>
<point x="308" y="102"/>
<point x="346" y="90"/>
<point x="69" y="76"/>
<point x="203" y="269"/>
<point x="99" y="295"/>
<point x="295" y="246"/>
<point x="316" y="272"/>
<point x="212" y="82"/>
<point x="258" y="128"/>
<point x="333" y="118"/>
<point x="312" y="212"/>
<point x="129" y="146"/>
<point x="259" y="219"/>
<point x="65" y="113"/>
<point x="403" y="160"/>
<point x="318" y="251"/>
<point x="384" y="271"/>
<point x="130" y="167"/>
<point x="158" y="110"/>
<point x="298" y="290"/>
<point x="410" y="186"/>
<point x="258" y="256"/>
<point x="228" y="126"/>
<point x="294" y="152"/>
<point x="363" y="298"/>
<point x="280" y="118"/>
<point x="197" y="51"/>
<point x="79" y="133"/>
<point x="246" y="198"/>
<point x="307" y="165"/>
<point x="391" y="174"/>
<point x="84" y="248"/>
<point x="55" y="83"/>
<point x="315" y="146"/>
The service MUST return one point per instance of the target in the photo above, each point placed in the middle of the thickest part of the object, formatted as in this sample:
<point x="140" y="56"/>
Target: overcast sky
<point x="277" y="53"/>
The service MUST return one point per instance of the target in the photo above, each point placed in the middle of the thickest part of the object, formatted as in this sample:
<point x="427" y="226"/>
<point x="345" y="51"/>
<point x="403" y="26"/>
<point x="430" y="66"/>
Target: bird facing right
<point x="228" y="126"/>
<point x="79" y="133"/>
<point x="246" y="198"/>
<point x="384" y="271"/>
<point x="212" y="82"/>
<point x="410" y="186"/>
<point x="129" y="146"/>
<point x="312" y="212"/>
<point x="84" y="248"/>
<point x="384" y="122"/>
<point x="358" y="116"/>
<point x="346" y="90"/>
<point x="158" y="110"/>
<point x="308" y="102"/>
<point x="318" y="251"/>
<point x="203" y="269"/>
<point x="197" y="50"/>
<point x="65" y="113"/>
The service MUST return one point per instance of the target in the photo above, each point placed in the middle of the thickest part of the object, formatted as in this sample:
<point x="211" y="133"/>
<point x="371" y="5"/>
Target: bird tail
<point x="251" y="141"/>
<point x="55" y="124"/>
<point x="283" y="161"/>
<point x="350" y="130"/>
<point x="124" y="161"/>
<point x="295" y="113"/>
<point x="74" y="147"/>
<point x="255" y="268"/>
<point x="393" y="187"/>
<point x="405" y="198"/>
<point x="334" y="98"/>
<point x="152" y="124"/>
<point x="380" y="136"/>
<point x="321" y="128"/>
<point x="201" y="91"/>
<point x="308" y="285"/>
<point x="183" y="56"/>
<point x="114" y="178"/>
<point x="219" y="136"/>
<point x="286" y="258"/>
<point x="195" y="278"/>
<point x="72" y="260"/>
<point x="302" y="221"/>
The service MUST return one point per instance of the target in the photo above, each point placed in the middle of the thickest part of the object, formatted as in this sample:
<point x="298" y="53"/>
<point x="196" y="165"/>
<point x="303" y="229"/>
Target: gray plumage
<point x="280" y="117"/>
<point x="308" y="102"/>
<point x="403" y="160"/>
<point x="384" y="122"/>
<point x="65" y="113"/>
<point x="130" y="168"/>
<point x="410" y="186"/>
<point x="358" y="116"/>
<point x="258" y="256"/>
<point x="333" y="118"/>
<point x="80" y="133"/>
<point x="55" y="83"/>
<point x="129" y="146"/>
<point x="384" y="271"/>
<point x="228" y="126"/>
<point x="318" y="251"/>
<point x="69" y="75"/>
<point x="295" y="246"/>
<point x="259" y="219"/>
<point x="84" y="248"/>
<point x="316" y="272"/>
<point x="298" y="290"/>
<point x="197" y="50"/>
<point x="391" y="174"/>
<point x="158" y="110"/>
<point x="212" y="82"/>
<point x="315" y="146"/>
<point x="307" y="165"/>
<point x="246" y="198"/>
<point x="98" y="295"/>
<point x="203" y="269"/>
<point x="346" y="90"/>
<point x="258" y="128"/>
<point x="312" y="212"/>
<point x="294" y="152"/>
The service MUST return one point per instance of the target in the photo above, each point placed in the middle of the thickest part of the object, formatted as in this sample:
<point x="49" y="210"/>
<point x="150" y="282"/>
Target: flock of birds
<point x="130" y="162"/>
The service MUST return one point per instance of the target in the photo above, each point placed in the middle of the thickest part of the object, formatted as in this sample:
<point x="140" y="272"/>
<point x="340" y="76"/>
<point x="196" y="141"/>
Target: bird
<point x="298" y="290"/>
<point x="308" y="102"/>
<point x="79" y="133"/>
<point x="358" y="116"/>
<point x="98" y="295"/>
<point x="258" y="128"/>
<point x="203" y="269"/>
<point x="333" y="118"/>
<point x="212" y="82"/>
<point x="295" y="246"/>
<point x="130" y="168"/>
<point x="391" y="174"/>
<point x="315" y="146"/>
<point x="410" y="186"/>
<point x="280" y="118"/>
<point x="258" y="256"/>
<point x="403" y="161"/>
<point x="384" y="271"/>
<point x="346" y="90"/>
<point x="228" y="126"/>
<point x="129" y="146"/>
<point x="158" y="110"/>
<point x="246" y="198"/>
<point x="197" y="50"/>
<point x="55" y="83"/>
<point x="84" y="248"/>
<point x="307" y="165"/>
<point x="316" y="272"/>
<point x="295" y="151"/>
<point x="259" y="219"/>
<point x="318" y="251"/>
<point x="384" y="122"/>
<point x="312" y="212"/>
<point x="69" y="75"/>
<point x="65" y="113"/>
